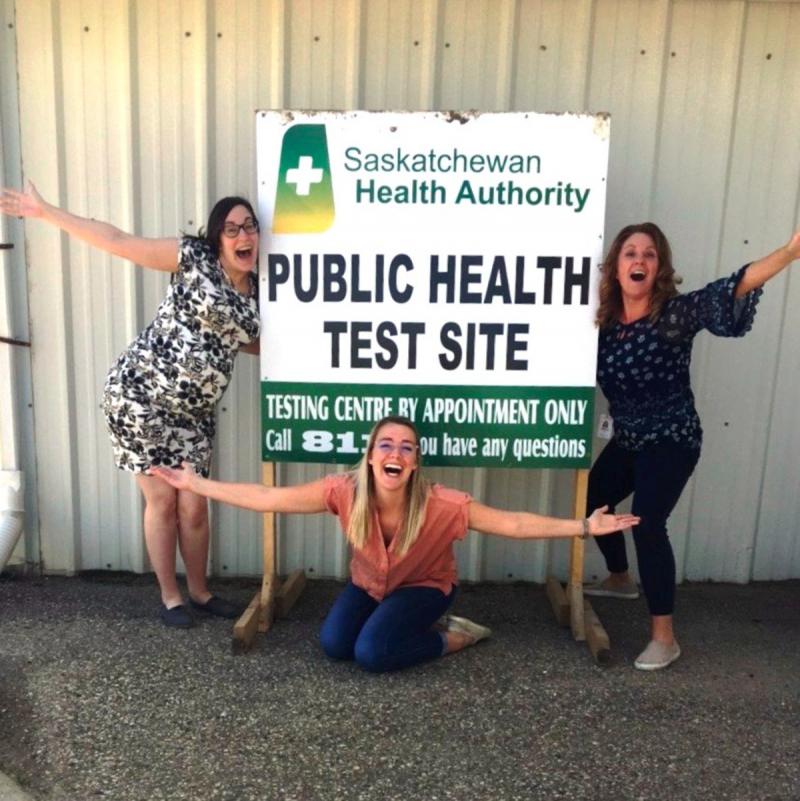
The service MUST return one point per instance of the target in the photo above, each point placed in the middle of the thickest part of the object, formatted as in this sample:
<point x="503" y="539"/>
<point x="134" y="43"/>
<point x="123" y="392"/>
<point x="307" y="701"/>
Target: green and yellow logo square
<point x="304" y="196"/>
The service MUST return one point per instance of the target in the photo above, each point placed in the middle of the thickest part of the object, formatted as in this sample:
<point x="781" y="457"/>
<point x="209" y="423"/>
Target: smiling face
<point x="238" y="254"/>
<point x="393" y="457"/>
<point x="637" y="266"/>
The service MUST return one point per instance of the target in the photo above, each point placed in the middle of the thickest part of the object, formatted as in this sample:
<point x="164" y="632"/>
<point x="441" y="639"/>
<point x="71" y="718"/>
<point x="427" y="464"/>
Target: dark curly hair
<point x="212" y="233"/>
<point x="665" y="287"/>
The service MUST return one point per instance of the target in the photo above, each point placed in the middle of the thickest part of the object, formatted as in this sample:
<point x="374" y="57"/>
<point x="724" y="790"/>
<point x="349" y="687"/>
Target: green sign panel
<point x="460" y="426"/>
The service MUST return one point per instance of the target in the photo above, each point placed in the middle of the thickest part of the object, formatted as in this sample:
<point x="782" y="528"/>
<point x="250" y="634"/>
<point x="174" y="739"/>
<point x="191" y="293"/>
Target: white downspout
<point x="12" y="506"/>
<point x="12" y="489"/>
<point x="12" y="500"/>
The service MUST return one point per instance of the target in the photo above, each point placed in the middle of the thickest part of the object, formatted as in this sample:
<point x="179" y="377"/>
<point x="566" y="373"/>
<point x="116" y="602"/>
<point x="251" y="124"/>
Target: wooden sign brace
<point x="276" y="597"/>
<point x="570" y="607"/>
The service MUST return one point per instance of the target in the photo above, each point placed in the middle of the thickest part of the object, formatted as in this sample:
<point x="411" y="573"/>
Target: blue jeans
<point x="393" y="634"/>
<point x="656" y="476"/>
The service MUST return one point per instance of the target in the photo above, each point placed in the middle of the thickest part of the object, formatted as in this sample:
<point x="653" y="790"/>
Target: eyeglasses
<point x="231" y="230"/>
<point x="405" y="449"/>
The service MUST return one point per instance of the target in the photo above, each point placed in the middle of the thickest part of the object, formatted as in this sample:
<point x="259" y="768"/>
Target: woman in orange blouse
<point x="401" y="529"/>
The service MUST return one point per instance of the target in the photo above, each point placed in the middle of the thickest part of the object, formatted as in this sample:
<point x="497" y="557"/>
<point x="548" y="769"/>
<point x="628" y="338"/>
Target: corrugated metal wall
<point x="141" y="113"/>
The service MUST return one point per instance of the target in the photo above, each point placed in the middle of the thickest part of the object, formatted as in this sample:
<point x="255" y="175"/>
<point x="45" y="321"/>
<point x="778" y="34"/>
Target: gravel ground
<point x="99" y="700"/>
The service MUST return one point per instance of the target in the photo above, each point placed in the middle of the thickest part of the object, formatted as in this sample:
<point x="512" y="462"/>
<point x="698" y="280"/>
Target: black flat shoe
<point x="177" y="617"/>
<point x="219" y="607"/>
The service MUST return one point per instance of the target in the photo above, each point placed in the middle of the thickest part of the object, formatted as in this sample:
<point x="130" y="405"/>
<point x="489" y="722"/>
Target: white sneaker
<point x="605" y="589"/>
<point x="473" y="630"/>
<point x="657" y="655"/>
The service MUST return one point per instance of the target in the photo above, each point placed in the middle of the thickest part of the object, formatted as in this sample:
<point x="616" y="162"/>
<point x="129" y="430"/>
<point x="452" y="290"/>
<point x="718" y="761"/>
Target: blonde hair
<point x="665" y="287"/>
<point x="363" y="511"/>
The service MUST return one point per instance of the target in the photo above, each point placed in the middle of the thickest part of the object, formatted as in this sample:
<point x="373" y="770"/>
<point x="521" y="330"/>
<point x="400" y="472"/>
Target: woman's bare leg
<point x="193" y="539"/>
<point x="161" y="535"/>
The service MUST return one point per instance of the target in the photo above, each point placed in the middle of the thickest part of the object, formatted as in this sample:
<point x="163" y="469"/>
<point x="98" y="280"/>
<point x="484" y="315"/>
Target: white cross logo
<point x="303" y="175"/>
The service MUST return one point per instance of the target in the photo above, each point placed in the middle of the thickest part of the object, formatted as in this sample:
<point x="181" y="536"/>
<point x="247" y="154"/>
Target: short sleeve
<point x="338" y="493"/>
<point x="714" y="307"/>
<point x="194" y="253"/>
<point x="449" y="511"/>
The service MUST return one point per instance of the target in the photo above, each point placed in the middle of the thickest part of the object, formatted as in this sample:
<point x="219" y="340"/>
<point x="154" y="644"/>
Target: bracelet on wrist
<point x="584" y="528"/>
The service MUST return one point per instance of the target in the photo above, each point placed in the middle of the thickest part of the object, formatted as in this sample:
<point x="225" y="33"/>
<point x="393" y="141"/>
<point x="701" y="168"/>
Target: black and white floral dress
<point x="161" y="394"/>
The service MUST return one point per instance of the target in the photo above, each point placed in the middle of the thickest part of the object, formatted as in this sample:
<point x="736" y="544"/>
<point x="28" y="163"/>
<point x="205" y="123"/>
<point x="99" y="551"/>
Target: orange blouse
<point x="429" y="562"/>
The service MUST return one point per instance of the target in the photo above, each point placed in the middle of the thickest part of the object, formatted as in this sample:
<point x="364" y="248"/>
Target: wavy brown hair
<point x="665" y="287"/>
<point x="363" y="510"/>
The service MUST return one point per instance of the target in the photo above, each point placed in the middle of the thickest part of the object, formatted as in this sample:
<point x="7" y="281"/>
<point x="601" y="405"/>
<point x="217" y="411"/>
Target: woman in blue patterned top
<point x="161" y="394"/>
<point x="646" y="333"/>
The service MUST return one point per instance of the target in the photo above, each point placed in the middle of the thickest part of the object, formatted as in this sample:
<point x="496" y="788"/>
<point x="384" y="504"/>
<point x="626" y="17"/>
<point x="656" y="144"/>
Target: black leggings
<point x="656" y="476"/>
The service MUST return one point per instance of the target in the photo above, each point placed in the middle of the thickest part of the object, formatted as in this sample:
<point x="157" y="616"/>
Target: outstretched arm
<point x="526" y="525"/>
<point x="302" y="499"/>
<point x="759" y="272"/>
<point x="158" y="254"/>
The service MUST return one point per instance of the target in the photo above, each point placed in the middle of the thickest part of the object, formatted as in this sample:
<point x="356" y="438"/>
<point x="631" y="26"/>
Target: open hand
<point x="602" y="523"/>
<point x="183" y="479"/>
<point x="22" y="204"/>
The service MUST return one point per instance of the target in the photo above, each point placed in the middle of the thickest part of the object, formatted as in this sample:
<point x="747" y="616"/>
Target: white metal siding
<point x="141" y="112"/>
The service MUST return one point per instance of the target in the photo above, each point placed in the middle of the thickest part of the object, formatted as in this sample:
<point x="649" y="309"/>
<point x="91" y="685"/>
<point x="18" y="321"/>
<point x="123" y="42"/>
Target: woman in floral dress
<point x="161" y="394"/>
<point x="646" y="334"/>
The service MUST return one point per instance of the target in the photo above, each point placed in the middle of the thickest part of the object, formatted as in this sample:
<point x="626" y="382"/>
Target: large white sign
<point x="442" y="266"/>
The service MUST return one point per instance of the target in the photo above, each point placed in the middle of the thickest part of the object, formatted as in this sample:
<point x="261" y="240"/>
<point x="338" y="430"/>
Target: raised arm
<point x="158" y="254"/>
<point x="526" y="525"/>
<point x="301" y="499"/>
<point x="759" y="272"/>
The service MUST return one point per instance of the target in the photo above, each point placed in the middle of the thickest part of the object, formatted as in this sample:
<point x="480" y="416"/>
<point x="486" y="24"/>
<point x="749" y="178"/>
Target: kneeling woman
<point x="401" y="529"/>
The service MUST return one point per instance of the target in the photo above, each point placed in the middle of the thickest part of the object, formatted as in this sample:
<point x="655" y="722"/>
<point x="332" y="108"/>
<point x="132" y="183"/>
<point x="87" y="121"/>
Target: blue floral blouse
<point x="643" y="367"/>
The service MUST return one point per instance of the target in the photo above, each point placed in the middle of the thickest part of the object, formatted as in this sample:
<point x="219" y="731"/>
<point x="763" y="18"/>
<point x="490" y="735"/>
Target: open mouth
<point x="244" y="252"/>
<point x="392" y="470"/>
<point x="638" y="276"/>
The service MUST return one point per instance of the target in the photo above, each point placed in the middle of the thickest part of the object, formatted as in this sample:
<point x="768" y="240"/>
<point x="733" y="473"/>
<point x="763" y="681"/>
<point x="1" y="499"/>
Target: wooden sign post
<point x="275" y="598"/>
<point x="570" y="607"/>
